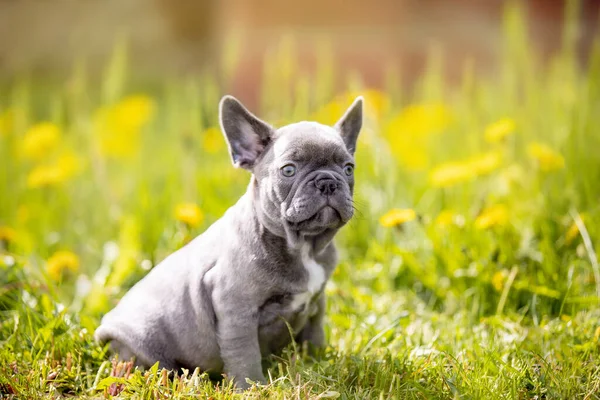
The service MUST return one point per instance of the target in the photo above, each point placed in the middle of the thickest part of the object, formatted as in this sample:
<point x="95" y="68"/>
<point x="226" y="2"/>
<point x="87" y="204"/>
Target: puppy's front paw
<point x="242" y="384"/>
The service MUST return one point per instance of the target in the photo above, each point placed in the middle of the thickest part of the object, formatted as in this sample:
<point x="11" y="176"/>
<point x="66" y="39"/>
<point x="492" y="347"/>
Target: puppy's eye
<point x="288" y="170"/>
<point x="349" y="169"/>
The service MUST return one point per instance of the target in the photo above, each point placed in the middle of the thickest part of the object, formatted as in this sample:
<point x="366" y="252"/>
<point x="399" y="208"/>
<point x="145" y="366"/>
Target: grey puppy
<point x="229" y="297"/>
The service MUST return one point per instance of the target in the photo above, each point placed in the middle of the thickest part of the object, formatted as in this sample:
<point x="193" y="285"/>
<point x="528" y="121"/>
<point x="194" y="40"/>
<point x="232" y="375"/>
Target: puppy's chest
<point x="298" y="298"/>
<point x="316" y="278"/>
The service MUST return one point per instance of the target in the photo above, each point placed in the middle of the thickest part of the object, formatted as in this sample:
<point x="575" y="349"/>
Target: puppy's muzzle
<point x="326" y="183"/>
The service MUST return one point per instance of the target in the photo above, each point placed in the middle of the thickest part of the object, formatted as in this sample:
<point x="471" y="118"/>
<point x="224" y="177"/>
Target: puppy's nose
<point x="326" y="183"/>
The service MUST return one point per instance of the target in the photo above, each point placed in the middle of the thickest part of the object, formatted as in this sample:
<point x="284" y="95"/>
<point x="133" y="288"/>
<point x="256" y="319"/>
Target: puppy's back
<point x="167" y="316"/>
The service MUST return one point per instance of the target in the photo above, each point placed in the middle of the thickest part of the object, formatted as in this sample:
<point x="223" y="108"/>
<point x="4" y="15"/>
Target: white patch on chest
<point x="316" y="278"/>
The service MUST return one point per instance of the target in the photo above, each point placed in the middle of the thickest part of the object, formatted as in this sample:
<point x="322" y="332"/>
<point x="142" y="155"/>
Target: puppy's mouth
<point x="325" y="218"/>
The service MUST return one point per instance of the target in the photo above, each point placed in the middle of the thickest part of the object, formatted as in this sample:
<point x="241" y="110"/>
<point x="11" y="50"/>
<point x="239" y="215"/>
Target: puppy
<point x="230" y="296"/>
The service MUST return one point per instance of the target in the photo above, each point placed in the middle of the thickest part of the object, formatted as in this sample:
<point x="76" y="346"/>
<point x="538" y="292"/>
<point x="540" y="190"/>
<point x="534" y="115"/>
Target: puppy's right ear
<point x="246" y="134"/>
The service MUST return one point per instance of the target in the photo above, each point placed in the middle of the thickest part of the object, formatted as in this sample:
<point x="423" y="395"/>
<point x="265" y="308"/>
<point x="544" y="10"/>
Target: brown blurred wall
<point x="182" y="36"/>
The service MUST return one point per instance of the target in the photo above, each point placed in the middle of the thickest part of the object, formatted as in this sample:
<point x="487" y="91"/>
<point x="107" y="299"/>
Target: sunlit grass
<point x="470" y="269"/>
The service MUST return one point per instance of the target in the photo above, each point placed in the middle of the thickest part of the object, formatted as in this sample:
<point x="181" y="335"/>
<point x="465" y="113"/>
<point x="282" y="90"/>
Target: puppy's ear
<point x="349" y="125"/>
<point x="246" y="134"/>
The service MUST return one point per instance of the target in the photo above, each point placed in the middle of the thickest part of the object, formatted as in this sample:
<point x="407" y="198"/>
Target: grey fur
<point x="223" y="301"/>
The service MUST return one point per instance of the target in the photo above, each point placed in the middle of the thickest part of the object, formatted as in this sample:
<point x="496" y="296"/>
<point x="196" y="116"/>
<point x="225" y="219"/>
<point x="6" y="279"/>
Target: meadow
<point x="469" y="271"/>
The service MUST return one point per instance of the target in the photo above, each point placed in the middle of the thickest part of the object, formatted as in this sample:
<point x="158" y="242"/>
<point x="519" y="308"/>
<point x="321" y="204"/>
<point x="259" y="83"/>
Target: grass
<point x="469" y="271"/>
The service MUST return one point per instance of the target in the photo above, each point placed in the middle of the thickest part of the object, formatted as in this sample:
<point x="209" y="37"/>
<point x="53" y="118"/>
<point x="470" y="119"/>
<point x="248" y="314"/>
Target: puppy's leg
<point x="237" y="332"/>
<point x="313" y="332"/>
<point x="124" y="353"/>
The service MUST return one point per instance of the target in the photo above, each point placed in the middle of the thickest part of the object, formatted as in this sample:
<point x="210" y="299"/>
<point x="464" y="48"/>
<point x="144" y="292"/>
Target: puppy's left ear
<point x="246" y="134"/>
<point x="349" y="125"/>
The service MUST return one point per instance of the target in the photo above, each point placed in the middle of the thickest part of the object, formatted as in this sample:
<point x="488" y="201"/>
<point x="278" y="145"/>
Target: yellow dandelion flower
<point x="39" y="140"/>
<point x="7" y="234"/>
<point x="420" y="119"/>
<point x="44" y="176"/>
<point x="496" y="215"/>
<point x="6" y="122"/>
<point x="69" y="164"/>
<point x="133" y="112"/>
<point x="65" y="168"/>
<point x="499" y="130"/>
<point x="545" y="157"/>
<point x="445" y="218"/>
<point x="330" y="113"/>
<point x="118" y="127"/>
<point x="485" y="163"/>
<point x="411" y="151"/>
<point x="189" y="213"/>
<point x="450" y="174"/>
<point x="397" y="216"/>
<point x="498" y="280"/>
<point x="212" y="140"/>
<point x="456" y="172"/>
<point x="61" y="261"/>
<point x="414" y="160"/>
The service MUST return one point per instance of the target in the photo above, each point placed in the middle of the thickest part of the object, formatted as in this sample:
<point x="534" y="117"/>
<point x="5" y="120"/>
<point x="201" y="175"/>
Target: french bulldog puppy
<point x="231" y="295"/>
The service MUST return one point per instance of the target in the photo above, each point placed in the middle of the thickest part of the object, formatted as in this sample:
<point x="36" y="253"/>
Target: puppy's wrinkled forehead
<point x="305" y="141"/>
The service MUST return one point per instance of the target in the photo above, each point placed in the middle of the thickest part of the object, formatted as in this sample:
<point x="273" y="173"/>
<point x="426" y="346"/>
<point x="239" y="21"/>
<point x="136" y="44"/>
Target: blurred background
<point x="184" y="36"/>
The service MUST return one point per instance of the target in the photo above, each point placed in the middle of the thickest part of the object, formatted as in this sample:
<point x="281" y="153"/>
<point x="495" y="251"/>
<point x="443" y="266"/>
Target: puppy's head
<point x="303" y="172"/>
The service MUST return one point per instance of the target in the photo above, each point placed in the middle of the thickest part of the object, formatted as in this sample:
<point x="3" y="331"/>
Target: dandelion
<point x="118" y="126"/>
<point x="409" y="132"/>
<point x="39" y="140"/>
<point x="189" y="213"/>
<point x="456" y="172"/>
<point x="445" y="218"/>
<point x="412" y="151"/>
<point x="420" y="119"/>
<point x="44" y="176"/>
<point x="66" y="167"/>
<point x="134" y="111"/>
<point x="330" y="113"/>
<point x="7" y="235"/>
<point x="485" y="163"/>
<point x="498" y="280"/>
<point x="496" y="215"/>
<point x="397" y="216"/>
<point x="450" y="174"/>
<point x="212" y="140"/>
<point x="545" y="157"/>
<point x="498" y="131"/>
<point x="69" y="163"/>
<point x="60" y="262"/>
